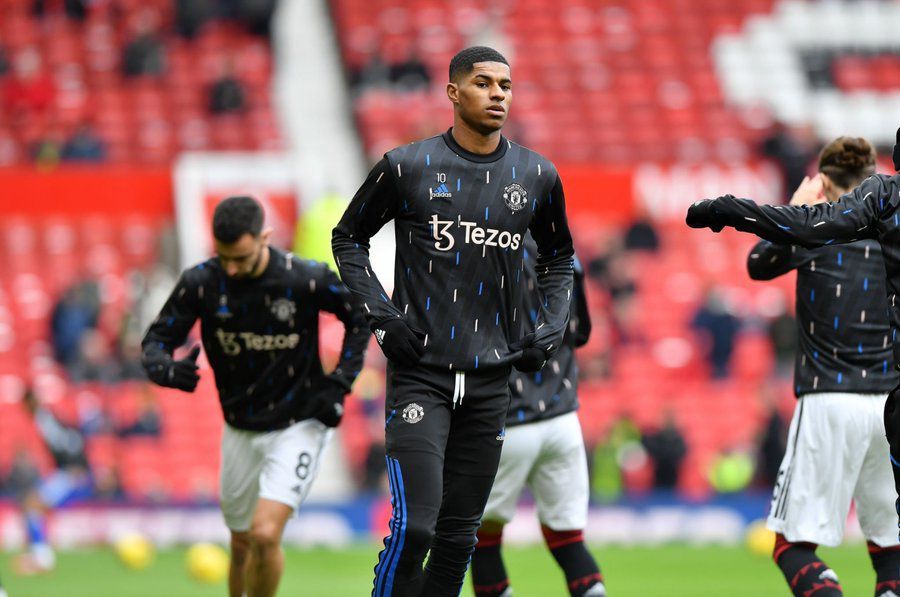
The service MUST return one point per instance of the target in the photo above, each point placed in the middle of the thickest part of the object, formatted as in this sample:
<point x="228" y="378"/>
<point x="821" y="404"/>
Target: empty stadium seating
<point x="595" y="80"/>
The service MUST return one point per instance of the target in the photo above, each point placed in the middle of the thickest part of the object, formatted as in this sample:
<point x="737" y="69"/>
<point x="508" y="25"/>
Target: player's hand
<point x="532" y="358"/>
<point x="332" y="410"/>
<point x="400" y="343"/>
<point x="809" y="192"/>
<point x="181" y="375"/>
<point x="700" y="215"/>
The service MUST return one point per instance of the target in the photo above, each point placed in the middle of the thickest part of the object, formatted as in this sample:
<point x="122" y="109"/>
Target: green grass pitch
<point x="675" y="570"/>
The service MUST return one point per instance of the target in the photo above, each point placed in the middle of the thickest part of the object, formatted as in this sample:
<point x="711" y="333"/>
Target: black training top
<point x="460" y="219"/>
<point x="842" y="315"/>
<point x="871" y="210"/>
<point x="64" y="442"/>
<point x="261" y="336"/>
<point x="552" y="391"/>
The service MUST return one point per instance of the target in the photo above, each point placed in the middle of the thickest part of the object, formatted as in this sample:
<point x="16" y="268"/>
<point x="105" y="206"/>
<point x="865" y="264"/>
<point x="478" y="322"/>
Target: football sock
<point x="806" y="574"/>
<point x="886" y="561"/>
<point x="489" y="577"/>
<point x="582" y="574"/>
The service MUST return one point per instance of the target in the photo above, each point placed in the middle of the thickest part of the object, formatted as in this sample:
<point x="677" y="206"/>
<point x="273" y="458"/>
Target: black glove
<point x="181" y="375"/>
<point x="897" y="152"/>
<point x="532" y="358"/>
<point x="400" y="343"/>
<point x="332" y="410"/>
<point x="700" y="215"/>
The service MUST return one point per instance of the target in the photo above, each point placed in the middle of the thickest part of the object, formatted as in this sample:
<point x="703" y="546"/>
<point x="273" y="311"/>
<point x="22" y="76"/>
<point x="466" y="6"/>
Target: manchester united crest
<point x="283" y="309"/>
<point x="515" y="197"/>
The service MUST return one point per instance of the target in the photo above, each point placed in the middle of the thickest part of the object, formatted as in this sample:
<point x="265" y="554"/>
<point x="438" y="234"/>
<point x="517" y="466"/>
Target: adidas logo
<point x="441" y="192"/>
<point x="379" y="335"/>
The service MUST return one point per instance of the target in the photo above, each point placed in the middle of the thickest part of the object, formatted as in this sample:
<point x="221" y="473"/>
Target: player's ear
<point x="265" y="235"/>
<point x="453" y="92"/>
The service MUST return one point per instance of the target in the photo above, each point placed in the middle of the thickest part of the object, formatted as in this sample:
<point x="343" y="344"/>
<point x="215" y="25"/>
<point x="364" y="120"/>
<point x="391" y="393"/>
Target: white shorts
<point x="548" y="457"/>
<point x="275" y="465"/>
<point x="836" y="452"/>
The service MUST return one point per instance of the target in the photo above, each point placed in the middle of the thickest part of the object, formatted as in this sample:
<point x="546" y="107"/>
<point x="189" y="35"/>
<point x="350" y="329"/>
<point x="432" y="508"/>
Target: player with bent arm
<point x="842" y="377"/>
<point x="259" y="319"/>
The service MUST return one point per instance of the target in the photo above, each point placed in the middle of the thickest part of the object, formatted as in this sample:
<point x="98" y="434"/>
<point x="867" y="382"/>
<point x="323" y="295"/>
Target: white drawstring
<point x="459" y="388"/>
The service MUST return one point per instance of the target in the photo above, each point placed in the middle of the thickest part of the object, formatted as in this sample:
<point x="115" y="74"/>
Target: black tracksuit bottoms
<point x="443" y="435"/>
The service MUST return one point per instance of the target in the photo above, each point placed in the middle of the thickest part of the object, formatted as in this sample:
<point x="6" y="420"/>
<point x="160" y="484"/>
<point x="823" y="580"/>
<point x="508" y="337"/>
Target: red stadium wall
<point x="70" y="191"/>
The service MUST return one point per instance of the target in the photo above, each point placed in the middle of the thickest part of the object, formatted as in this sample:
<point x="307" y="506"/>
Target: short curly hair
<point x="463" y="62"/>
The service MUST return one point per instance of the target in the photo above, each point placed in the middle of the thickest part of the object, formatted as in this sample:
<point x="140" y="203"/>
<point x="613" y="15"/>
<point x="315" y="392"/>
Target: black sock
<point x="582" y="572"/>
<point x="805" y="573"/>
<point x="886" y="562"/>
<point x="489" y="577"/>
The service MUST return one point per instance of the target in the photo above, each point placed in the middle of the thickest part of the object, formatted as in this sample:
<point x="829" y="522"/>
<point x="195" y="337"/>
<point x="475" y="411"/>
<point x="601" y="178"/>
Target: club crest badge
<point x="515" y="196"/>
<point x="413" y="413"/>
<point x="283" y="309"/>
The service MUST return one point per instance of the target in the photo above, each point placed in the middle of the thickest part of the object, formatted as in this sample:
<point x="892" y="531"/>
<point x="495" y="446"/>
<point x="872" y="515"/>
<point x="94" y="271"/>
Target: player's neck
<point x="473" y="141"/>
<point x="263" y="262"/>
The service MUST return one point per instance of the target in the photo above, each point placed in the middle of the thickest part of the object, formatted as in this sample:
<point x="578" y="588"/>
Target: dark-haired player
<point x="462" y="203"/>
<point x="544" y="450"/>
<point x="259" y="310"/>
<point x="836" y="449"/>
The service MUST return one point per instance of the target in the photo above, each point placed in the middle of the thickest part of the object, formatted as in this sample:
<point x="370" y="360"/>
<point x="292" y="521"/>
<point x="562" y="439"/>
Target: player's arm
<point x="374" y="205"/>
<point x="334" y="297"/>
<point x="550" y="230"/>
<point x="768" y="260"/>
<point x="853" y="217"/>
<point x="580" y="317"/>
<point x="168" y="332"/>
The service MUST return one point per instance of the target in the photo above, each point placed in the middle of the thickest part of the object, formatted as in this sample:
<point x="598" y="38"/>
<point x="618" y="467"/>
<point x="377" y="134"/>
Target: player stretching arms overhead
<point x="259" y="309"/>
<point x="867" y="211"/>
<point x="544" y="450"/>
<point x="842" y="377"/>
<point x="461" y="203"/>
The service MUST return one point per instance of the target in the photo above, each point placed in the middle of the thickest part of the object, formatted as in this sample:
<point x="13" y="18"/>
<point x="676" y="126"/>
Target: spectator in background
<point x="312" y="236"/>
<point x="409" y="74"/>
<point x="76" y="312"/>
<point x="641" y="235"/>
<point x="85" y="145"/>
<point x="23" y="474"/>
<point x="609" y="455"/>
<point x="29" y="92"/>
<point x="74" y="9"/>
<point x="227" y="94"/>
<point x="794" y="148"/>
<point x="718" y="328"/>
<point x="4" y="62"/>
<point x="144" y="54"/>
<point x="772" y="440"/>
<point x="374" y="74"/>
<point x="70" y="480"/>
<point x="666" y="448"/>
<point x="191" y="16"/>
<point x="256" y="15"/>
<point x="94" y="360"/>
<point x="149" y="419"/>
<point x="46" y="150"/>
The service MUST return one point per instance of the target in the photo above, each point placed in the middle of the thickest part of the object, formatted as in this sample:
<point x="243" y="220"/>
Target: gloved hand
<point x="532" y="358"/>
<point x="699" y="215"/>
<point x="181" y="375"/>
<point x="400" y="343"/>
<point x="332" y="410"/>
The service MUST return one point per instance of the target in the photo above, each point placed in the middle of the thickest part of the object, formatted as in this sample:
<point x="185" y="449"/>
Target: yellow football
<point x="207" y="563"/>
<point x="134" y="551"/>
<point x="759" y="539"/>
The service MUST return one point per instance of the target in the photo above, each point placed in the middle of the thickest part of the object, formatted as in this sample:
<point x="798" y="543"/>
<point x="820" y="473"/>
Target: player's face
<point x="483" y="96"/>
<point x="241" y="258"/>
